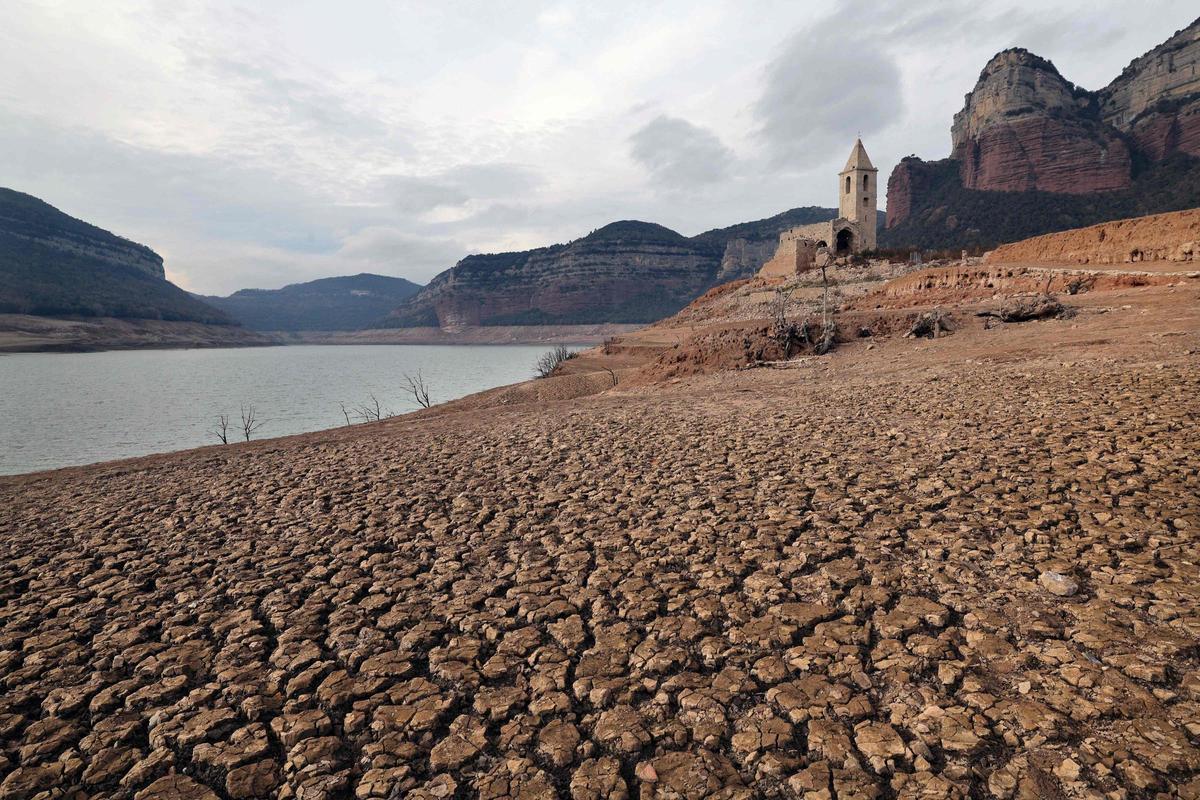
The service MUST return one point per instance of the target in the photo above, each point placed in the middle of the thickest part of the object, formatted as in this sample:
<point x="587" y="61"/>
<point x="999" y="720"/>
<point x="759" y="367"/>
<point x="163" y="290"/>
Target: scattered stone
<point x="1057" y="583"/>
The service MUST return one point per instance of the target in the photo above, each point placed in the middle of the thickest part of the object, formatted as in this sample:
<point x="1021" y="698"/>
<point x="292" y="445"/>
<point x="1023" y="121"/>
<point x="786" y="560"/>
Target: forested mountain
<point x="328" y="304"/>
<point x="52" y="264"/>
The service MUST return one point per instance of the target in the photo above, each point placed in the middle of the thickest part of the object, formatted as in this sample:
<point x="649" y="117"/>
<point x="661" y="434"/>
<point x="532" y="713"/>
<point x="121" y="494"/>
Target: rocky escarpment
<point x="26" y="219"/>
<point x="1026" y="127"/>
<point x="52" y="264"/>
<point x="1156" y="99"/>
<point x="625" y="272"/>
<point x="740" y="256"/>
<point x="909" y="179"/>
<point x="1029" y="142"/>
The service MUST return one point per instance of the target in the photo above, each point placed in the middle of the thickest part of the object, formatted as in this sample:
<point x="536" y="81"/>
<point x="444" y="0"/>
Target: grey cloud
<point x="680" y="155"/>
<point x="399" y="251"/>
<point x="220" y="223"/>
<point x="116" y="183"/>
<point x="285" y="185"/>
<point x="494" y="180"/>
<point x="457" y="186"/>
<point x="414" y="195"/>
<point x="829" y="83"/>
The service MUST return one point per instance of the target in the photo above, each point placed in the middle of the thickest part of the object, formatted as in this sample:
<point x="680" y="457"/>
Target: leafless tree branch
<point x="371" y="412"/>
<point x="250" y="422"/>
<point x="221" y="431"/>
<point x="417" y="387"/>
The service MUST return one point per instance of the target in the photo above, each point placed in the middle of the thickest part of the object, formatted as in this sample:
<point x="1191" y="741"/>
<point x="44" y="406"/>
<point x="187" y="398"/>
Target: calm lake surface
<point x="63" y="409"/>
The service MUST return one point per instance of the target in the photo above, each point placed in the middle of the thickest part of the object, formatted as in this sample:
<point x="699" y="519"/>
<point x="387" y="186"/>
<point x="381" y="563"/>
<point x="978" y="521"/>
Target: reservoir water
<point x="64" y="409"/>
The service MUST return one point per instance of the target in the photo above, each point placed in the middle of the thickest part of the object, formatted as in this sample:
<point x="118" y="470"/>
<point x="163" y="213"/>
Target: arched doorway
<point x="845" y="242"/>
<point x="822" y="243"/>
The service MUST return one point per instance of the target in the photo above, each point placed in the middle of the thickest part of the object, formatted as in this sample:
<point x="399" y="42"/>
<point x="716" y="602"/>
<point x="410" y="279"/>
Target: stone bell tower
<point x="858" y="192"/>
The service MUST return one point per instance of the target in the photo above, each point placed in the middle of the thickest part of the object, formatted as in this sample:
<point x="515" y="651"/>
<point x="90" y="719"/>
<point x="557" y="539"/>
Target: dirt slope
<point x="1173" y="237"/>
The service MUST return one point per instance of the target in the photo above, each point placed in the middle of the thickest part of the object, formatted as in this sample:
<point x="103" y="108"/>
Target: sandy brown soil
<point x="1172" y="238"/>
<point x="963" y="567"/>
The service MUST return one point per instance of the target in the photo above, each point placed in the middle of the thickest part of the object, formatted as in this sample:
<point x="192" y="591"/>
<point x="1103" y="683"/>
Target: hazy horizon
<point x="258" y="148"/>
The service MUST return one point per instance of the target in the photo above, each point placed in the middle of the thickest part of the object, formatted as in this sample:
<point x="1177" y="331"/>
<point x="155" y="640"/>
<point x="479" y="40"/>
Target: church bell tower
<point x="858" y="192"/>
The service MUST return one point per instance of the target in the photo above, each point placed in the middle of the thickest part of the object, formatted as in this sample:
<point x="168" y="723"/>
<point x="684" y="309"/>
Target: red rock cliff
<point x="909" y="179"/>
<point x="1156" y="99"/>
<point x="1025" y="127"/>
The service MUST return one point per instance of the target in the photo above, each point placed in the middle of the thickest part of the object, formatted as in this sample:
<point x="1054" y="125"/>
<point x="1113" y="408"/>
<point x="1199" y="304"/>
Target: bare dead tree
<point x="783" y="329"/>
<point x="221" y="431"/>
<point x="550" y="361"/>
<point x="612" y="375"/>
<point x="779" y="308"/>
<point x="345" y="413"/>
<point x="824" y="297"/>
<point x="371" y="412"/>
<point x="250" y="422"/>
<point x="417" y="387"/>
<point x="828" y="325"/>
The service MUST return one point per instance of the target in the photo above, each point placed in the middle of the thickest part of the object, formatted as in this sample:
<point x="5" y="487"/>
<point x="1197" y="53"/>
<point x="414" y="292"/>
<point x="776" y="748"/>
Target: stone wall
<point x="1158" y="237"/>
<point x="818" y="232"/>
<point x="796" y="253"/>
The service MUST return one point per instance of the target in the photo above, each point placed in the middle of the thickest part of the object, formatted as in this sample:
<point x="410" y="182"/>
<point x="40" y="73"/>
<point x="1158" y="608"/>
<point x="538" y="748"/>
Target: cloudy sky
<point x="264" y="143"/>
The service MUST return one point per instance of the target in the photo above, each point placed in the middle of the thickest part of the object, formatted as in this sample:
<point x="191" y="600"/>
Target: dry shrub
<point x="551" y="360"/>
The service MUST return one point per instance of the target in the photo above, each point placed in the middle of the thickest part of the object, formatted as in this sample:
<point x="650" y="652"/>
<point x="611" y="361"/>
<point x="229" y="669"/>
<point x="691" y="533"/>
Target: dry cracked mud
<point x="903" y="573"/>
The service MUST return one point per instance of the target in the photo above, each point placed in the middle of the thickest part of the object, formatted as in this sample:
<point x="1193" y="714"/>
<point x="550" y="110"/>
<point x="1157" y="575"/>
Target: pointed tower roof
<point x="858" y="158"/>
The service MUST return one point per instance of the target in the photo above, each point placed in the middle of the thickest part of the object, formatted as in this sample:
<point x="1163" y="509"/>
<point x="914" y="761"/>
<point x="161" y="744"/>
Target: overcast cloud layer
<point x="259" y="144"/>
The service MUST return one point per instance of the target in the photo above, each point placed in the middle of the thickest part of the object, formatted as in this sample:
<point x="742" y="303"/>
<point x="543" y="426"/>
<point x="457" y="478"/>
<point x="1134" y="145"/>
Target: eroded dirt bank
<point x="949" y="568"/>
<point x="20" y="333"/>
<point x="478" y="334"/>
<point x="1173" y="237"/>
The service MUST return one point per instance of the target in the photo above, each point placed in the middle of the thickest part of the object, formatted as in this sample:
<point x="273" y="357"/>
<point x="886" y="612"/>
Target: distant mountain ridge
<point x="52" y="264"/>
<point x="1033" y="153"/>
<point x="625" y="272"/>
<point x="343" y="303"/>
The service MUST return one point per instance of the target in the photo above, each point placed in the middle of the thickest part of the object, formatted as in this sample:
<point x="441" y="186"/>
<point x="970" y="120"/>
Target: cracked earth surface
<point x="965" y="579"/>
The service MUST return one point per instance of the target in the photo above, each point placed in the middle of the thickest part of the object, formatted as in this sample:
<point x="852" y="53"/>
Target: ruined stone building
<point x="853" y="231"/>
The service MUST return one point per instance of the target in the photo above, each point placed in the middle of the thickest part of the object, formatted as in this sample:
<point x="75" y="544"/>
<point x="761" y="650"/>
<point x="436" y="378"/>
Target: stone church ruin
<point x="853" y="231"/>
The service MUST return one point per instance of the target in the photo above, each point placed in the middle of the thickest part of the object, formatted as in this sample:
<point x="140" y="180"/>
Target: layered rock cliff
<point x="25" y="218"/>
<point x="1025" y="127"/>
<point x="52" y="264"/>
<point x="1027" y="132"/>
<point x="625" y="272"/>
<point x="1156" y="99"/>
